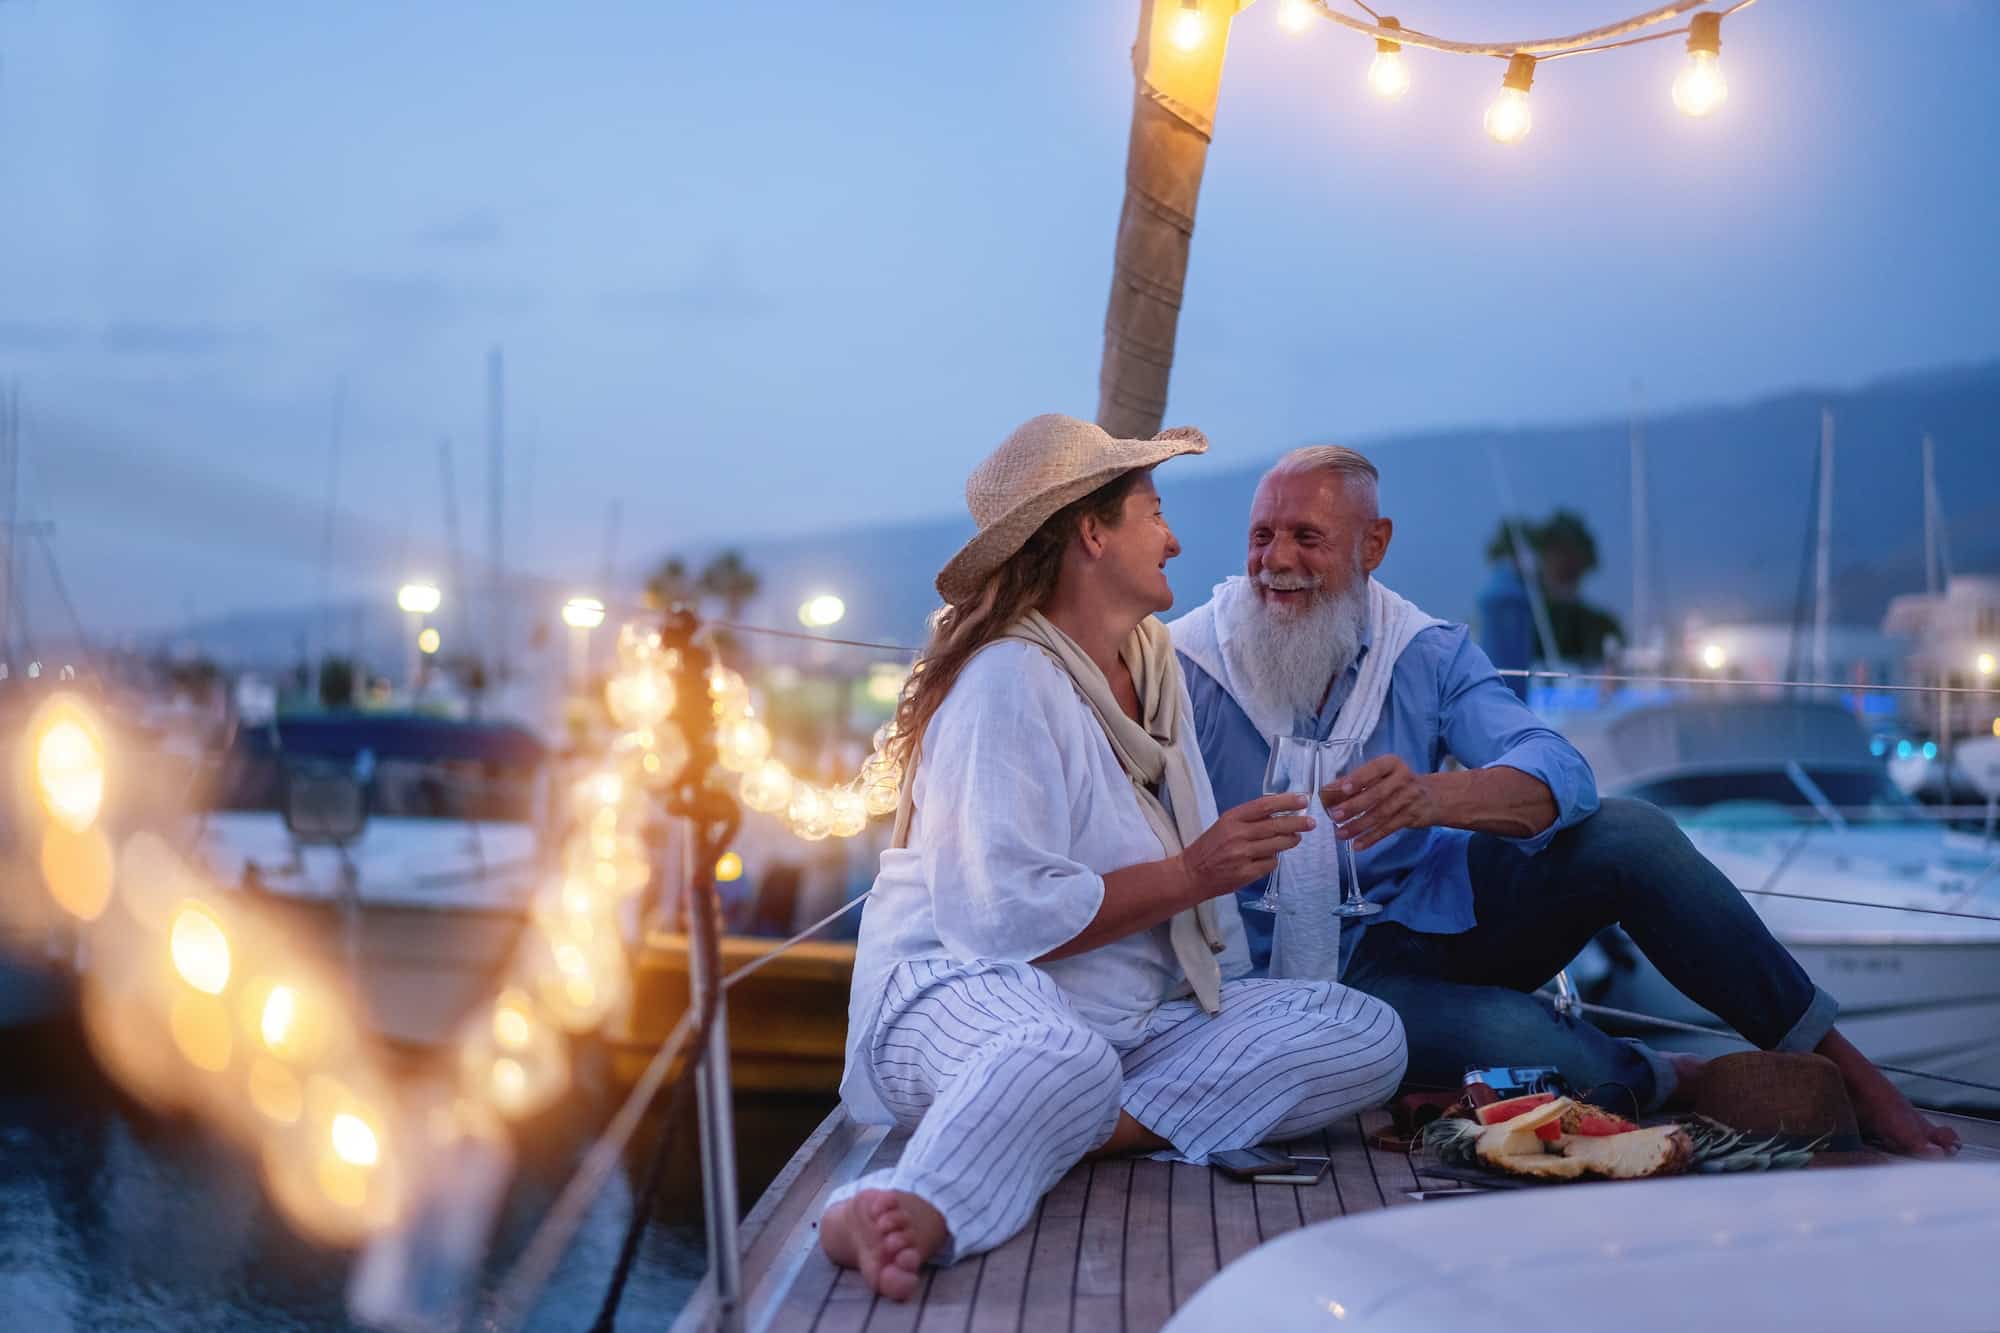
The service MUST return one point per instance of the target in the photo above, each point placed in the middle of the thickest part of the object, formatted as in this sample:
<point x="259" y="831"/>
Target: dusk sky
<point x="759" y="268"/>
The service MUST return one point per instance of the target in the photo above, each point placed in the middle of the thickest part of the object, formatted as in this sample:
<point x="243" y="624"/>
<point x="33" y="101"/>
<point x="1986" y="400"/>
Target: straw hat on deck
<point x="1047" y="463"/>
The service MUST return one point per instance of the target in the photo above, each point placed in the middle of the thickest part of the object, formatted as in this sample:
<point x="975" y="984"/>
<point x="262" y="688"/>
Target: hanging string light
<point x="1700" y="88"/>
<point x="1697" y="91"/>
<point x="1508" y="120"/>
<point x="743" y="745"/>
<point x="1190" y="28"/>
<point x="1388" y="76"/>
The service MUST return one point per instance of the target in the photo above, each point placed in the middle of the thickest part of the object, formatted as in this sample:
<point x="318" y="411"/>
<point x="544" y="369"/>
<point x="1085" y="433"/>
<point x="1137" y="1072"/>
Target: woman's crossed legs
<point x="1006" y="1089"/>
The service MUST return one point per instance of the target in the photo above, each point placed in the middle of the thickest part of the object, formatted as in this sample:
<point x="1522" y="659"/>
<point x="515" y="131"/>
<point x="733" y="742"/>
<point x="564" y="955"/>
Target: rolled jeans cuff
<point x="1813" y="1025"/>
<point x="1666" y="1079"/>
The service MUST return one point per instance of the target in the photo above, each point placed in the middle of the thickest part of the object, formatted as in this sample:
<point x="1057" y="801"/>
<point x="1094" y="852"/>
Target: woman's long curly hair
<point x="1024" y="583"/>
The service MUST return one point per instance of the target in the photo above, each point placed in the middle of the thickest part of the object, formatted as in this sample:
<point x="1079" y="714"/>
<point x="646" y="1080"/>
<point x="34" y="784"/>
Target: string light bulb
<point x="1388" y="76"/>
<point x="1190" y="28"/>
<point x="1508" y="120"/>
<point x="1700" y="87"/>
<point x="847" y="812"/>
<point x="809" y="812"/>
<point x="639" y="700"/>
<point x="767" y="788"/>
<point x="1294" y="15"/>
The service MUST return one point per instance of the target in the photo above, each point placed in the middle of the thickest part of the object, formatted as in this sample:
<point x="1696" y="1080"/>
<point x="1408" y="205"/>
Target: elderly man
<point x="1491" y="876"/>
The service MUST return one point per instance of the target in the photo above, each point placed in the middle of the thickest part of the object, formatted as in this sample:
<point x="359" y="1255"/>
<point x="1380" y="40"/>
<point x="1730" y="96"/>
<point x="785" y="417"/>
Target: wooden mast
<point x="1173" y="117"/>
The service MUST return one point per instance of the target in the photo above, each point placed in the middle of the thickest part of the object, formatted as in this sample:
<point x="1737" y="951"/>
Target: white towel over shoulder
<point x="1306" y="938"/>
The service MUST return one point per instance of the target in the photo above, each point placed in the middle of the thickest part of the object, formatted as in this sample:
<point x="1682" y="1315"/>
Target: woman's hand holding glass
<point x="1242" y="846"/>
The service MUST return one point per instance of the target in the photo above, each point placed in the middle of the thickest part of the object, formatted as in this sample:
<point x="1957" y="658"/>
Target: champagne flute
<point x="1336" y="760"/>
<point x="1293" y="769"/>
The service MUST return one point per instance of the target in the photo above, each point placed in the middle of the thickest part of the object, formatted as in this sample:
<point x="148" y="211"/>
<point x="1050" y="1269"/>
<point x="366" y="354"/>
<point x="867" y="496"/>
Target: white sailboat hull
<point x="1915" y="990"/>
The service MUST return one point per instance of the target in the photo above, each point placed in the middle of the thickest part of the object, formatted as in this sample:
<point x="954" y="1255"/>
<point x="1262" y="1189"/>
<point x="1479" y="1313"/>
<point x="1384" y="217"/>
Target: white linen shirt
<point x="1021" y="809"/>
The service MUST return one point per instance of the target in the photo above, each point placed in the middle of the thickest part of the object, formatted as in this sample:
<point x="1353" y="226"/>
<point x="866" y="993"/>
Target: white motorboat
<point x="408" y="844"/>
<point x="1787" y="799"/>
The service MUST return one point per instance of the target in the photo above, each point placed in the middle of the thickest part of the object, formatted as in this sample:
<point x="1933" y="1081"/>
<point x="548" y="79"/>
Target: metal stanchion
<point x="718" y="1127"/>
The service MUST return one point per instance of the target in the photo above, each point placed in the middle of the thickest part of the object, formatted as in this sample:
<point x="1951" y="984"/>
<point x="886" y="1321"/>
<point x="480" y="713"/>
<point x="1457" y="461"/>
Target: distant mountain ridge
<point x="1730" y="503"/>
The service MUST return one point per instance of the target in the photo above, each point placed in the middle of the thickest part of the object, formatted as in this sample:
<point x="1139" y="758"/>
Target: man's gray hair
<point x="1347" y="464"/>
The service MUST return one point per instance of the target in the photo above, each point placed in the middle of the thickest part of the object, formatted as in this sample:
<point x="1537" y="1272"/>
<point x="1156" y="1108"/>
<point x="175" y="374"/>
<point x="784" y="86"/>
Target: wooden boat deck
<point x="1116" y="1245"/>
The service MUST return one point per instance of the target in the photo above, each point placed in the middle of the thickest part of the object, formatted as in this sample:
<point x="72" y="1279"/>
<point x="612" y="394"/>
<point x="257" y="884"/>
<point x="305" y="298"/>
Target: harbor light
<point x="69" y="761"/>
<point x="429" y="641"/>
<point x="1713" y="657"/>
<point x="583" y="613"/>
<point x="1190" y="28"/>
<point x="822" y="611"/>
<point x="420" y="598"/>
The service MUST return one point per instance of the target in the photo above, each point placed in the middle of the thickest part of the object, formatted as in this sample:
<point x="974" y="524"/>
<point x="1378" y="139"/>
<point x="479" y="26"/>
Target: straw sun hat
<point x="1045" y="464"/>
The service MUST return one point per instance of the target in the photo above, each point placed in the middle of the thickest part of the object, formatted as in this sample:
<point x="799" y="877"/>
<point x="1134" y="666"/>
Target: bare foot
<point x="1128" y="1136"/>
<point x="887" y="1234"/>
<point x="1688" y="1070"/>
<point x="1884" y="1113"/>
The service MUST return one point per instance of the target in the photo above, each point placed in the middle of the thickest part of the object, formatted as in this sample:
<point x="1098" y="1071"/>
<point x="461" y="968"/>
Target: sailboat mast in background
<point x="1823" y="559"/>
<point x="496" y="499"/>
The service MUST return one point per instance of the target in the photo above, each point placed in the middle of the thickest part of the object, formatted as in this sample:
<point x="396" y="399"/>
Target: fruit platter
<point x="1543" y="1138"/>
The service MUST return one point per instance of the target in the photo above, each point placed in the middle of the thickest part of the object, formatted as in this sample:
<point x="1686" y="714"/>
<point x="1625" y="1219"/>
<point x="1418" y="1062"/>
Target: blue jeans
<point x="1464" y="999"/>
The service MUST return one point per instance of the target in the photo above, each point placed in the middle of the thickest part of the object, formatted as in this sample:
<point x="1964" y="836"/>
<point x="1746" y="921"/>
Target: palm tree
<point x="731" y="582"/>
<point x="670" y="585"/>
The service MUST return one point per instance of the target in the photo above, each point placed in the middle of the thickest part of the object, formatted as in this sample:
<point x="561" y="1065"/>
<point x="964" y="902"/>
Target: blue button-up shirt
<point x="1444" y="699"/>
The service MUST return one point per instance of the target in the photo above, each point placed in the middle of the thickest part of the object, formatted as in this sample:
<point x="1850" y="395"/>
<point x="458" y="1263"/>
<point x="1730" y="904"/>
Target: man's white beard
<point x="1288" y="657"/>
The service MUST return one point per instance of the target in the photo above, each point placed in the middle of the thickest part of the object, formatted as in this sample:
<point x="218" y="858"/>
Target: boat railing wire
<point x="516" y="1293"/>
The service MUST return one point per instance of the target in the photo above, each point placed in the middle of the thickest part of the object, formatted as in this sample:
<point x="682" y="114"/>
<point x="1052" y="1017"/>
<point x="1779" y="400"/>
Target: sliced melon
<point x="1495" y="1112"/>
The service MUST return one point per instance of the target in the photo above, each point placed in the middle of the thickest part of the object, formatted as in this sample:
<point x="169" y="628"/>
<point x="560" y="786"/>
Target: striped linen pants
<point x="1006" y="1088"/>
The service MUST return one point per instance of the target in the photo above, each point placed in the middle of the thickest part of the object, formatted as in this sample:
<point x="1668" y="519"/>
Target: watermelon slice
<point x="1495" y="1112"/>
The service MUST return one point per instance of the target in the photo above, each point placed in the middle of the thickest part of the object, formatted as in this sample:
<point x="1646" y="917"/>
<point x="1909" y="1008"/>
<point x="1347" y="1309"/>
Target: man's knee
<point x="1628" y="845"/>
<point x="1624" y="826"/>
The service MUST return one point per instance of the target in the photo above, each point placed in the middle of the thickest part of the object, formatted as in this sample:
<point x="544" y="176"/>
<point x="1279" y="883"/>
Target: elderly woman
<point x="1047" y="965"/>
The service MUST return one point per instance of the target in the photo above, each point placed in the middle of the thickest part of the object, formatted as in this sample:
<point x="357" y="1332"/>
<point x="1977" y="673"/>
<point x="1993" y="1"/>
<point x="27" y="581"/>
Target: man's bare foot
<point x="1884" y="1113"/>
<point x="1688" y="1070"/>
<point x="887" y="1234"/>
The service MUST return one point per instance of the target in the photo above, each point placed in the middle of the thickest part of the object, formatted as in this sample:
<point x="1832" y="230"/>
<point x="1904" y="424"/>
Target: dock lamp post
<point x="582" y="615"/>
<point x="822" y="612"/>
<point x="417" y="599"/>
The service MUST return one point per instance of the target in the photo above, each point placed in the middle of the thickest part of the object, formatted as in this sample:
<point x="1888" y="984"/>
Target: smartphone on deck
<point x="1266" y="1166"/>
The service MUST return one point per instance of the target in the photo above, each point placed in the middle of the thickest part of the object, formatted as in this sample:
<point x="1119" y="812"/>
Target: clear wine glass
<point x="1336" y="760"/>
<point x="1293" y="769"/>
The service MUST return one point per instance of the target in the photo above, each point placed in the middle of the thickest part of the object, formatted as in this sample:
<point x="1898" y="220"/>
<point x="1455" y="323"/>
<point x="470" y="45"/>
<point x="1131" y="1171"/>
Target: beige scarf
<point x="1150" y="754"/>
